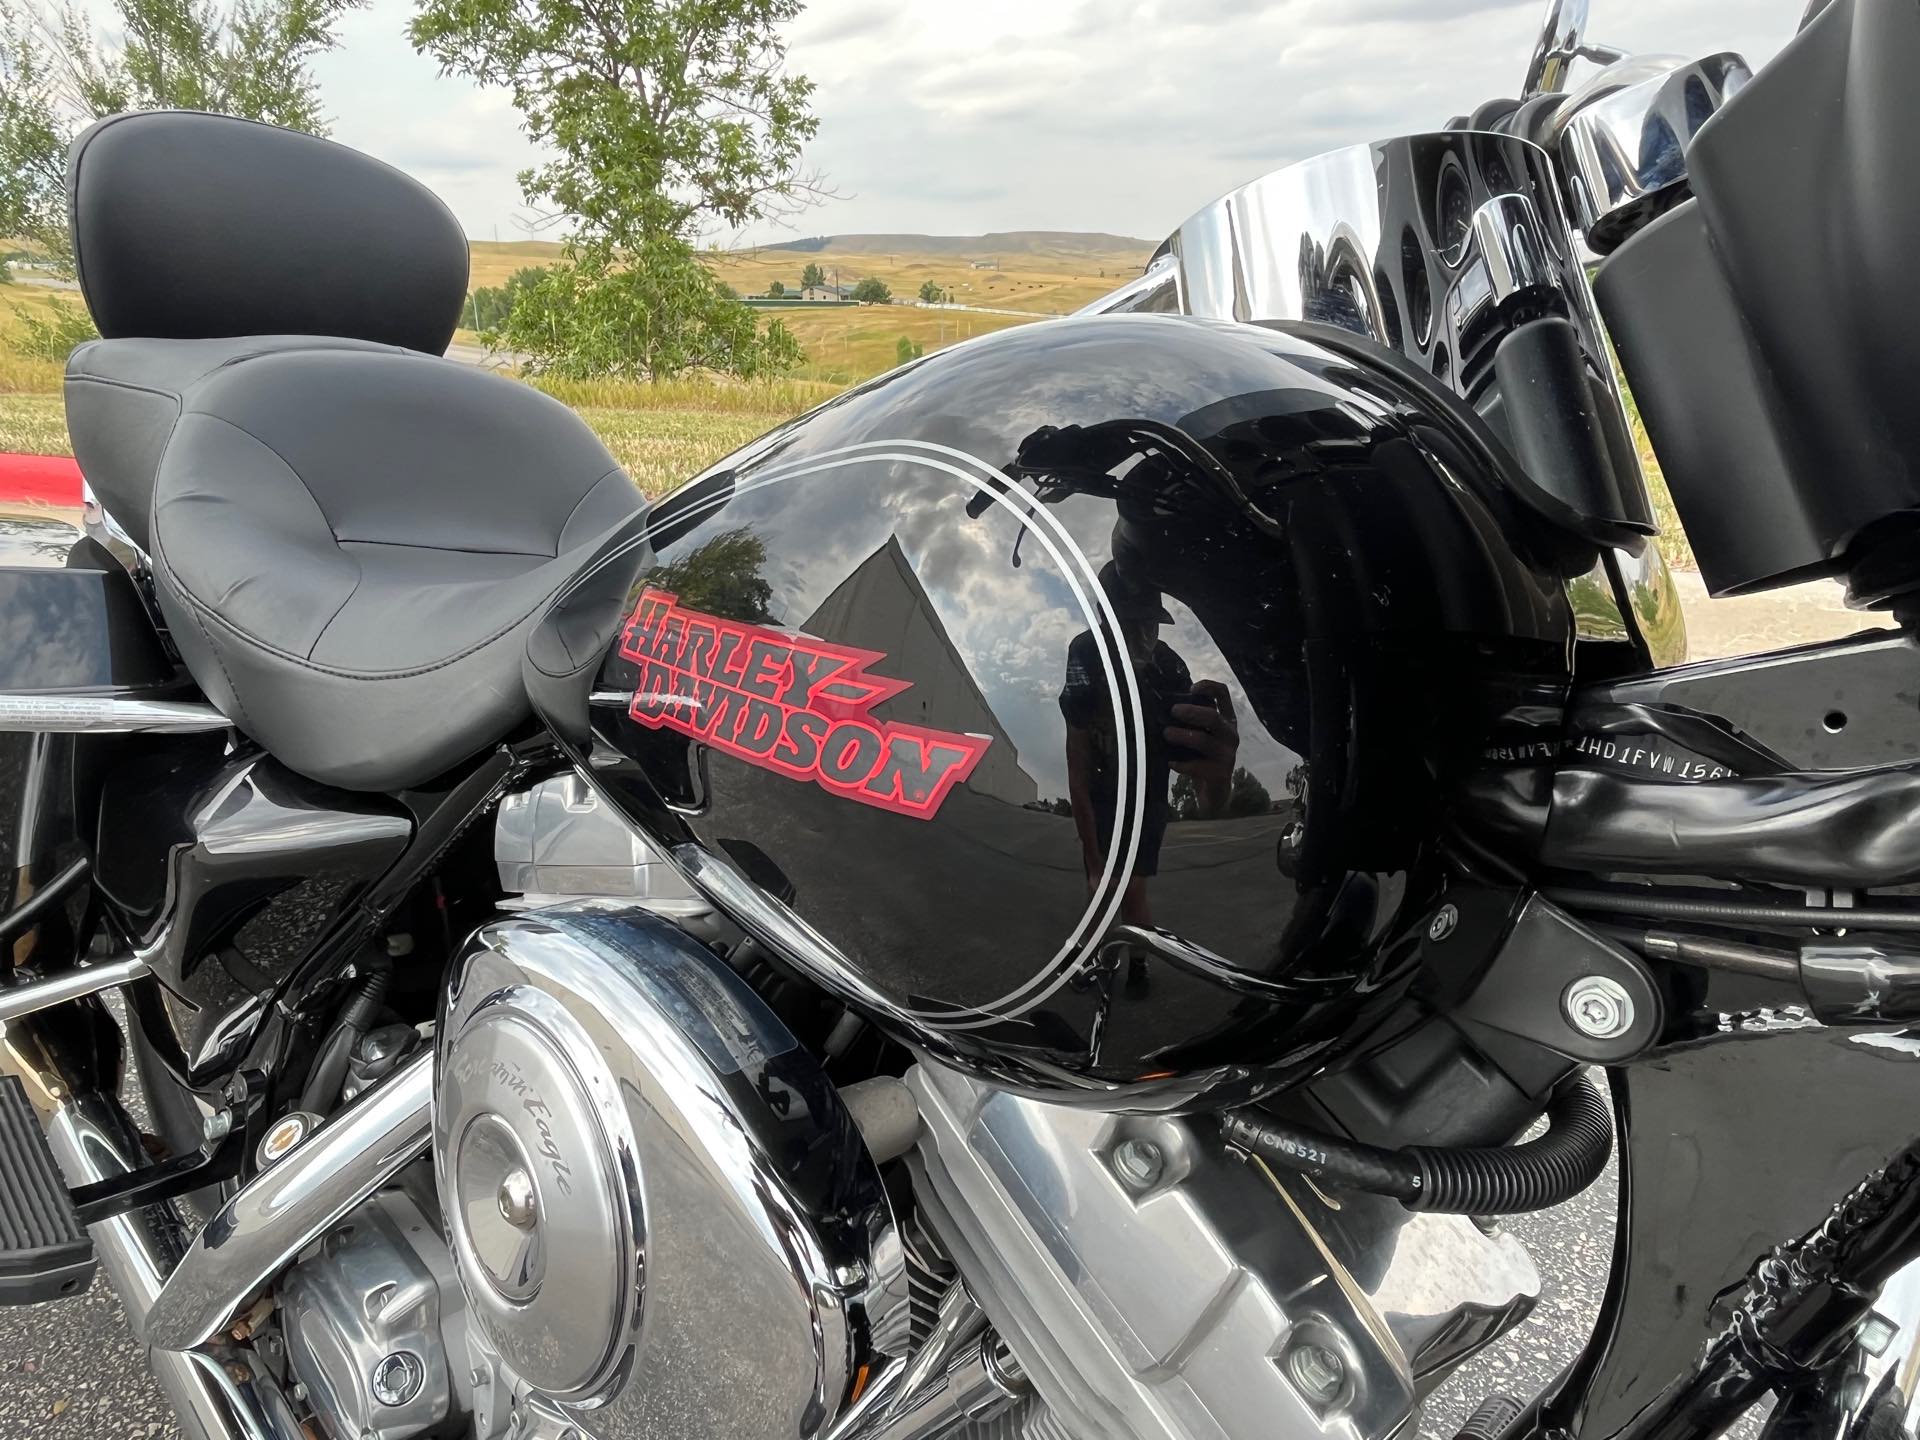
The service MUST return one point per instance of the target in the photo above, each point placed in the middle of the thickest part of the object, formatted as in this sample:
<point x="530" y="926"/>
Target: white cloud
<point x="958" y="116"/>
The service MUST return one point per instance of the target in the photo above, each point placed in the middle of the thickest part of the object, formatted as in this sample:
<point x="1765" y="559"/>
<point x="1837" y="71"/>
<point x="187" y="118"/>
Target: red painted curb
<point x="47" y="479"/>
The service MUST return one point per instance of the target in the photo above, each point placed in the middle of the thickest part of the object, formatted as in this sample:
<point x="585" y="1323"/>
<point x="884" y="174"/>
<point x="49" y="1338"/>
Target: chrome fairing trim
<point x="1623" y="147"/>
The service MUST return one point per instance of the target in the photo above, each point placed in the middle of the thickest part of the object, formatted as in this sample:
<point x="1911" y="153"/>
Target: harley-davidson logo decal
<point x="791" y="704"/>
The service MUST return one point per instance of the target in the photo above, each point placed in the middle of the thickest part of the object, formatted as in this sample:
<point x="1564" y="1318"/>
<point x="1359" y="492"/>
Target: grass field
<point x="1042" y="284"/>
<point x="846" y="346"/>
<point x="1047" y="283"/>
<point x="660" y="444"/>
<point x="1051" y="282"/>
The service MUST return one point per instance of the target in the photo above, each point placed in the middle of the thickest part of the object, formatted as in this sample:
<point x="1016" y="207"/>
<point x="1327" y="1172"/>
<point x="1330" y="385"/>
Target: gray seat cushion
<point x="350" y="546"/>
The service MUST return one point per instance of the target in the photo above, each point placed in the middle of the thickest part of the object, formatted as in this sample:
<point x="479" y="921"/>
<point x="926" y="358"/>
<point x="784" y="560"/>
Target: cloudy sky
<point x="959" y="116"/>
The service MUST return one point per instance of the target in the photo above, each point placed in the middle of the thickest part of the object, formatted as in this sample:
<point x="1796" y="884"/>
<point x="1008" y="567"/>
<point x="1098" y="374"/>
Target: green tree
<point x="638" y="315"/>
<point x="931" y="293"/>
<point x="777" y="290"/>
<point x="872" y="291"/>
<point x="811" y="276"/>
<point x="908" y="349"/>
<point x="664" y="119"/>
<point x="252" y="59"/>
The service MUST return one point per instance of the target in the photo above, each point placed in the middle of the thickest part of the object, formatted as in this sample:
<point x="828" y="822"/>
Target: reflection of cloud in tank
<point x="1012" y="625"/>
<point x="883" y="606"/>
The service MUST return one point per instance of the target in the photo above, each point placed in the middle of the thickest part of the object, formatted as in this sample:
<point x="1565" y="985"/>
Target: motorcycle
<point x="1050" y="896"/>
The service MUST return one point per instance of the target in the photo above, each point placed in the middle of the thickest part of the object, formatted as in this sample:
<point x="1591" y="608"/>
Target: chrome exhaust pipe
<point x="93" y="1140"/>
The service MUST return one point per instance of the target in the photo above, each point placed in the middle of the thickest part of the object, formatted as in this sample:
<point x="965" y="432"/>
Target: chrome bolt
<point x="215" y="1127"/>
<point x="1138" y="1163"/>
<point x="1598" y="1008"/>
<point x="519" y="1206"/>
<point x="397" y="1378"/>
<point x="1317" y="1372"/>
<point x="1443" y="923"/>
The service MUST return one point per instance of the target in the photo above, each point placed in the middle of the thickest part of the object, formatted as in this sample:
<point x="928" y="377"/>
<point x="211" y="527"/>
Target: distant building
<point x="986" y="264"/>
<point x="827" y="292"/>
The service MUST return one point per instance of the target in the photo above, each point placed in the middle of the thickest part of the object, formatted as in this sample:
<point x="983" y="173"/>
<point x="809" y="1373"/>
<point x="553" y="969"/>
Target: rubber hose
<point x="357" y="1012"/>
<point x="30" y="911"/>
<point x="1497" y="1180"/>
<point x="1732" y="912"/>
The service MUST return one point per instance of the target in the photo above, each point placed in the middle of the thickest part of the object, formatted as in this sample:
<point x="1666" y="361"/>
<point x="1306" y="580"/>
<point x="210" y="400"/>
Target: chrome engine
<point x="661" y="1218"/>
<point x="1154" y="1286"/>
<point x="374" y="1327"/>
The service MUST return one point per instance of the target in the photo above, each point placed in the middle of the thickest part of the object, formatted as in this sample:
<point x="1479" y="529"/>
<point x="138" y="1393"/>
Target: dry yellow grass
<point x="20" y="374"/>
<point x="1047" y="283"/>
<point x="493" y="263"/>
<point x="845" y="346"/>
<point x="772" y="400"/>
<point x="1043" y="284"/>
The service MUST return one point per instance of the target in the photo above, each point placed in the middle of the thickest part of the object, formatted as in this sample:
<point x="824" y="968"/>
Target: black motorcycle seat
<point x="350" y="546"/>
<point x="124" y="396"/>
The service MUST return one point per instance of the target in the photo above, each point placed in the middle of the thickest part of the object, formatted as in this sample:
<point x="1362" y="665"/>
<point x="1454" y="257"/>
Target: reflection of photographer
<point x="1190" y="728"/>
<point x="1202" y="739"/>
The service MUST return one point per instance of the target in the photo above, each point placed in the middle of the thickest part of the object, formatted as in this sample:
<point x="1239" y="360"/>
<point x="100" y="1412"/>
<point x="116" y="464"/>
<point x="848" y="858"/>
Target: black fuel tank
<point x="1082" y="703"/>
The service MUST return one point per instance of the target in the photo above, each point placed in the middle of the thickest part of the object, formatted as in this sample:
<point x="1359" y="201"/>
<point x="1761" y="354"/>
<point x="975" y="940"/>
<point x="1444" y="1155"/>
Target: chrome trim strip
<point x="283" y="1210"/>
<point x="107" y="715"/>
<point x="1621" y="147"/>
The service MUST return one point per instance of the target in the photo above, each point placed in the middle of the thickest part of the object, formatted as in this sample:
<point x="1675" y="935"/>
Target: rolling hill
<point x="1035" y="272"/>
<point x="998" y="243"/>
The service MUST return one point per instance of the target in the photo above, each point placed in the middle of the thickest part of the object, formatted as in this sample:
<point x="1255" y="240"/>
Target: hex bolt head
<point x="1598" y="1007"/>
<point x="397" y="1378"/>
<point x="1443" y="923"/>
<point x="1317" y="1372"/>
<point x="1138" y="1162"/>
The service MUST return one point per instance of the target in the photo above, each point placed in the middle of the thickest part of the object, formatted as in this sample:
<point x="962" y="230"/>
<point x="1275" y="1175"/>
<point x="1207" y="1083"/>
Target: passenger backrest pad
<point x="192" y="226"/>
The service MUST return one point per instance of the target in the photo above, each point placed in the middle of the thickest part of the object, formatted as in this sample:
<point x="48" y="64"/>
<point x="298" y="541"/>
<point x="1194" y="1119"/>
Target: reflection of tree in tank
<point x="1247" y="796"/>
<point x="28" y="539"/>
<point x="722" y="577"/>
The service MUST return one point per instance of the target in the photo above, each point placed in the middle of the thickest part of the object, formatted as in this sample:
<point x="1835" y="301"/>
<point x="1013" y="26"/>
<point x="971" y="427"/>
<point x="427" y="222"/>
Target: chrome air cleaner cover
<point x="662" y="1215"/>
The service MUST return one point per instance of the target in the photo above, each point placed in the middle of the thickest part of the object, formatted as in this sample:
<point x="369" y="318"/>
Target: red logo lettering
<point x="789" y="703"/>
